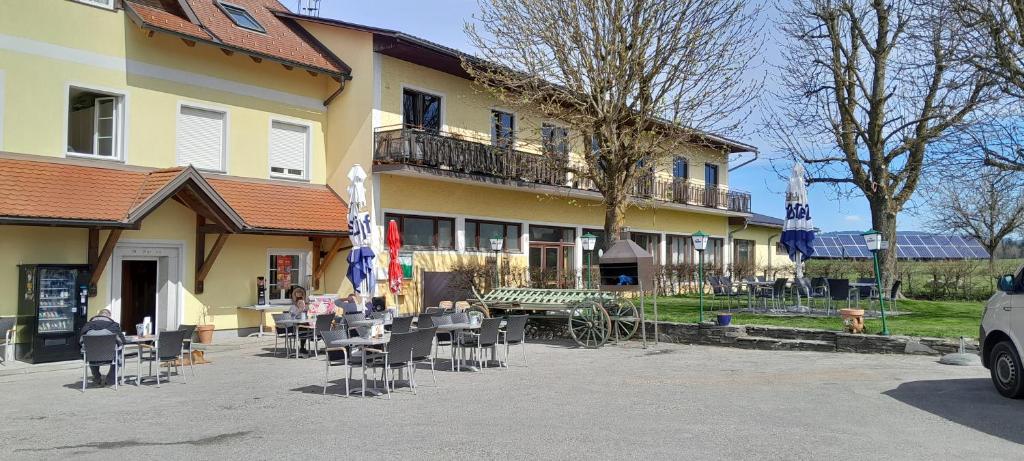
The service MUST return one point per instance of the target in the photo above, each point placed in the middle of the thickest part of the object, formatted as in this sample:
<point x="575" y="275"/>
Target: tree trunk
<point x="885" y="222"/>
<point x="614" y="217"/>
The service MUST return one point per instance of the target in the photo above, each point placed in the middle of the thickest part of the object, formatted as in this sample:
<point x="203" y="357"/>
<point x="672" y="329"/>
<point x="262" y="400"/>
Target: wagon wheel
<point x="589" y="324"/>
<point x="625" y="319"/>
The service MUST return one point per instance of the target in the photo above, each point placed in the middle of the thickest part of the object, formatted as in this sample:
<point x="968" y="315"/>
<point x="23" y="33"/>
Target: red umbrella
<point x="394" y="268"/>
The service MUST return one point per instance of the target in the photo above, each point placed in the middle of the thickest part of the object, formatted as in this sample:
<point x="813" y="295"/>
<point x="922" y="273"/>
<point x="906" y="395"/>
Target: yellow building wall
<point x="466" y="111"/>
<point x="765" y="253"/>
<point x="230" y="283"/>
<point x="45" y="46"/>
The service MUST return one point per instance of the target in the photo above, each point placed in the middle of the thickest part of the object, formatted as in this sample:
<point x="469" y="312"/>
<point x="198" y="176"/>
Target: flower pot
<point x="724" y="319"/>
<point x="204" y="334"/>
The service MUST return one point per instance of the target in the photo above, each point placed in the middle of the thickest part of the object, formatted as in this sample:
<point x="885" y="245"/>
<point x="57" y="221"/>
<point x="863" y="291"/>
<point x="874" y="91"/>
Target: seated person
<point x="349" y="304"/>
<point x="102" y="325"/>
<point x="298" y="311"/>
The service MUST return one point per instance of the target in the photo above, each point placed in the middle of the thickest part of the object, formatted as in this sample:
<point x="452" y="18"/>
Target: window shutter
<point x="201" y="138"/>
<point x="288" y="147"/>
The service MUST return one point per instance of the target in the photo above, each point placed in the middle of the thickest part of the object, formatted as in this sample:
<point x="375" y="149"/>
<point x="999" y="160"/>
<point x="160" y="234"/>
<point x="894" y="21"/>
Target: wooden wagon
<point x="593" y="317"/>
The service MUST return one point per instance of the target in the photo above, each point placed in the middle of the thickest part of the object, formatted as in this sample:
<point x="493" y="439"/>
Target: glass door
<point x="56" y="300"/>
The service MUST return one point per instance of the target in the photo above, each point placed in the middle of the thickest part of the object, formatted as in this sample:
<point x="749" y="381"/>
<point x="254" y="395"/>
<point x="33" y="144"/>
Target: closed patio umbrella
<point x="798" y="230"/>
<point x="361" y="259"/>
<point x="394" y="268"/>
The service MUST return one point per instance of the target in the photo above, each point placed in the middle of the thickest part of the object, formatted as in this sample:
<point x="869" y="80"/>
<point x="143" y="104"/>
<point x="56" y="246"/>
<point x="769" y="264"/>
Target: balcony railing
<point x="448" y="152"/>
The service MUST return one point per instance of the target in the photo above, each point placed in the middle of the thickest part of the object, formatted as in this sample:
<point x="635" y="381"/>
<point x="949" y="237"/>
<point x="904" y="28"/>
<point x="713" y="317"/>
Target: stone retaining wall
<point x="767" y="337"/>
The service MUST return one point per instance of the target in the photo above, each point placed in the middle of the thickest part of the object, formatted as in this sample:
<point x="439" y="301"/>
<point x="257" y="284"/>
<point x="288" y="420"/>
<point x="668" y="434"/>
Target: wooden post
<point x="200" y="249"/>
<point x="317" y="244"/>
<point x="208" y="263"/>
<point x="102" y="258"/>
<point x="93" y="255"/>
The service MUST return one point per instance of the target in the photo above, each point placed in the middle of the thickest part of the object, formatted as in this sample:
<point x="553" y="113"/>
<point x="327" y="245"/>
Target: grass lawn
<point x="944" y="319"/>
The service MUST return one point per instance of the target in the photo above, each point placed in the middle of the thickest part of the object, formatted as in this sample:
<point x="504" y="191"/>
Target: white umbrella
<point x="798" y="230"/>
<point x="361" y="259"/>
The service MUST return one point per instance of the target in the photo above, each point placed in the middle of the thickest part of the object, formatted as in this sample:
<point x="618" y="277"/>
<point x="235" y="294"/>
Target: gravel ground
<point x="666" y="402"/>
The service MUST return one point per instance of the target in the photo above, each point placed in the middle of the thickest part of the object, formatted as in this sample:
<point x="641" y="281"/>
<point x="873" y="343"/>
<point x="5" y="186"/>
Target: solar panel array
<point x="909" y="245"/>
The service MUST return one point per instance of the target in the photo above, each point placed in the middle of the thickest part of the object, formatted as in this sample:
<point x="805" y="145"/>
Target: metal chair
<point x="335" y="356"/>
<point x="401" y="324"/>
<point x="809" y="291"/>
<point x="397" y="356"/>
<point x="190" y="331"/>
<point x="100" y="350"/>
<point x="169" y="348"/>
<point x="421" y="352"/>
<point x="839" y="290"/>
<point x="282" y="332"/>
<point x="515" y="333"/>
<point x="425" y="320"/>
<point x="7" y="330"/>
<point x="890" y="297"/>
<point x="866" y="292"/>
<point x="486" y="339"/>
<point x="323" y="323"/>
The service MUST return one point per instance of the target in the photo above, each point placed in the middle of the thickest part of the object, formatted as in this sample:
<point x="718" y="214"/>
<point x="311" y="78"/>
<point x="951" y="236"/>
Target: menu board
<point x="321" y="304"/>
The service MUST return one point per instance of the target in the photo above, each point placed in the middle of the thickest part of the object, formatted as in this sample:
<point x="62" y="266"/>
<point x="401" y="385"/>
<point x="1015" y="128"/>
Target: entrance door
<point x="551" y="265"/>
<point x="138" y="294"/>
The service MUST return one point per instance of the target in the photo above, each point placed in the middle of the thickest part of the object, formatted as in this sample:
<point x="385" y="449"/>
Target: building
<point x="177" y="147"/>
<point x="195" y="145"/>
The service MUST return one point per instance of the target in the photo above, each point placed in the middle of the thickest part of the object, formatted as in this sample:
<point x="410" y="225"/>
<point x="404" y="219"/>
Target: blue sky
<point x="442" y="21"/>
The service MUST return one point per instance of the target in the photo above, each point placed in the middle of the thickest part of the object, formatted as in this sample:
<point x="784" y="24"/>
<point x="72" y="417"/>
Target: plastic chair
<point x="336" y="356"/>
<point x="421" y="352"/>
<point x="169" y="348"/>
<point x="486" y="339"/>
<point x="401" y="324"/>
<point x="397" y="356"/>
<point x="515" y="333"/>
<point x="100" y="350"/>
<point x="839" y="290"/>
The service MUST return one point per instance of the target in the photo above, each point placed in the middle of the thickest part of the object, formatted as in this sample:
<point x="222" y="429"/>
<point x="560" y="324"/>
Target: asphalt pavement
<point x="665" y="402"/>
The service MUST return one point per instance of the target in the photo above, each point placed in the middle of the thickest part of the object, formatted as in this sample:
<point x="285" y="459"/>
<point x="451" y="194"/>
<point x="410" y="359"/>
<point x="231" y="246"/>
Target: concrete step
<point x="806" y="334"/>
<point x="764" y="343"/>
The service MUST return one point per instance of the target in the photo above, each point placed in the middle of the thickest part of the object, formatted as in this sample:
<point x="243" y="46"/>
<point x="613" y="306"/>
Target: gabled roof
<point x="757" y="219"/>
<point x="34" y="191"/>
<point x="204" y="21"/>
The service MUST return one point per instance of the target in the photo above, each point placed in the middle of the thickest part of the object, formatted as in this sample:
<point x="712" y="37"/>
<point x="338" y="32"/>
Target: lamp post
<point x="700" y="243"/>
<point x="496" y="244"/>
<point x="588" y="240"/>
<point x="873" y="239"/>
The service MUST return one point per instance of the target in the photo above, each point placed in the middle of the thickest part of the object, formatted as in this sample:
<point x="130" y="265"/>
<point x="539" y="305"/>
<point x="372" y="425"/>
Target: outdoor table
<point x="138" y="342"/>
<point x="262" y="309"/>
<point x="750" y="290"/>
<point x="362" y="343"/>
<point x="297" y="323"/>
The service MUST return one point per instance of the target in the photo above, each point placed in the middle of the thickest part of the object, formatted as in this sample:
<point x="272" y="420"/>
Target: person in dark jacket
<point x="102" y="325"/>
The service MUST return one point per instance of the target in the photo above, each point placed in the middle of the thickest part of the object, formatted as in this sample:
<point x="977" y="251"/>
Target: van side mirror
<point x="1006" y="283"/>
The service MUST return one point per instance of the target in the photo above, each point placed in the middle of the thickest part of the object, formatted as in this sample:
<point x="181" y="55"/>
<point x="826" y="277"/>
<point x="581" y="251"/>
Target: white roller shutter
<point x="288" y="149"/>
<point x="201" y="138"/>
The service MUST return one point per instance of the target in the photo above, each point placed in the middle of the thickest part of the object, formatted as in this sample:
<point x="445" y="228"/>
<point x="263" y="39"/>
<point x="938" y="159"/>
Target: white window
<point x="201" y="138"/>
<point x="109" y="4"/>
<point x="95" y="124"/>
<point x="287" y="268"/>
<point x="289" y="150"/>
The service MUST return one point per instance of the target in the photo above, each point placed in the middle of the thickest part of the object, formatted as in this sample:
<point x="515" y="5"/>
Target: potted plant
<point x="204" y="330"/>
<point x="724" y="319"/>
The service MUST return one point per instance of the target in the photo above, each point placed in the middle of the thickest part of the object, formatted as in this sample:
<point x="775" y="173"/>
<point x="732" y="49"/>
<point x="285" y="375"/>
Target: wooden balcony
<point x="448" y="152"/>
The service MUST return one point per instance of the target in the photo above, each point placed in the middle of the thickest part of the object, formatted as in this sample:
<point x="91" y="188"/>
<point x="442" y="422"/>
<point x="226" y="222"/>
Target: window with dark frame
<point x="743" y="251"/>
<point x="680" y="168"/>
<point x="503" y="125"/>
<point x="680" y="249"/>
<point x="710" y="174"/>
<point x="555" y="140"/>
<point x="425" y="232"/>
<point x="241" y="17"/>
<point x="421" y="110"/>
<point x="479" y="234"/>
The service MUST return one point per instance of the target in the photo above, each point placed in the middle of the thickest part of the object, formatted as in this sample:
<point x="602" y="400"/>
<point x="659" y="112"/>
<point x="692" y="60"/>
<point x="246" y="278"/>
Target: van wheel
<point x="1006" y="370"/>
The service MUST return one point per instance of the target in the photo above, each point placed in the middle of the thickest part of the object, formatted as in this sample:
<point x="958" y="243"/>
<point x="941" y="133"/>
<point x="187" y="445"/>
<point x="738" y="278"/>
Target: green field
<point x="944" y="319"/>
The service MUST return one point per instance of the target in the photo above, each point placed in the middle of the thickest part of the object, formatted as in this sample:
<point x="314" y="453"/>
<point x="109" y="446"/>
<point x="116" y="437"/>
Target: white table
<point x="262" y="309"/>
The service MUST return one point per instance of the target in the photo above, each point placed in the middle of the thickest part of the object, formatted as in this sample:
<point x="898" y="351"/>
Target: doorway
<point x="139" y="289"/>
<point x="551" y="265"/>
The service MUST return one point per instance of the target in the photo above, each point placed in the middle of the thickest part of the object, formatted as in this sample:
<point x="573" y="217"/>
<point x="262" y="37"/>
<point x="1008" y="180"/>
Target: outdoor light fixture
<point x="873" y="239"/>
<point x="496" y="244"/>
<point x="588" y="240"/>
<point x="700" y="243"/>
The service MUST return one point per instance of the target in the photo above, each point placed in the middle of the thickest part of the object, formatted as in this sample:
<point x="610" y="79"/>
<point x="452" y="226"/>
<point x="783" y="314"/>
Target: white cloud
<point x="853" y="218"/>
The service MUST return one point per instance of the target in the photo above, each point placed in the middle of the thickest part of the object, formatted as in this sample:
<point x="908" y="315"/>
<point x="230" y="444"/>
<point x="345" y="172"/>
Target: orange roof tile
<point x="283" y="39"/>
<point x="282" y="206"/>
<point x="38" y="191"/>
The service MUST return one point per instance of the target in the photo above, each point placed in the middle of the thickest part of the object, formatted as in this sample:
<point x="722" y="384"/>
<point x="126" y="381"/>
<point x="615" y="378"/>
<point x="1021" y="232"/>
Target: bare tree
<point x="990" y="210"/>
<point x="634" y="81"/>
<point x="867" y="87"/>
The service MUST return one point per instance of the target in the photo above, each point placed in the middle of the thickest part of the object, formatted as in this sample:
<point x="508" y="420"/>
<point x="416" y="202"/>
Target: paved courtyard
<point x="668" y="402"/>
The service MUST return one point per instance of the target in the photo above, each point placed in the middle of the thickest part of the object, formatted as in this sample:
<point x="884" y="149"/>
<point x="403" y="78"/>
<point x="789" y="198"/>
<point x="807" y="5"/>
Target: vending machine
<point x="53" y="302"/>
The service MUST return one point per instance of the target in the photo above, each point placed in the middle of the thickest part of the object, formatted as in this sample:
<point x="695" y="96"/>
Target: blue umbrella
<point x="798" y="230"/>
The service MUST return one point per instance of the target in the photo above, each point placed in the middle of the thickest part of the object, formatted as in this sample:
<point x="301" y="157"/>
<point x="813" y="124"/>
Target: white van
<point x="1002" y="335"/>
